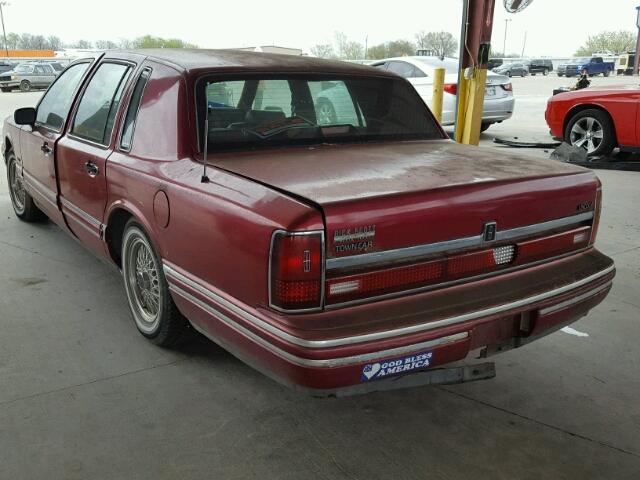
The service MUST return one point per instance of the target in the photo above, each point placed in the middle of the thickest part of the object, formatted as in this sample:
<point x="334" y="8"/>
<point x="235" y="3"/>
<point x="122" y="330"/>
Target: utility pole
<point x="504" y="44"/>
<point x="524" y="43"/>
<point x="636" y="60"/>
<point x="4" y="33"/>
<point x="366" y="46"/>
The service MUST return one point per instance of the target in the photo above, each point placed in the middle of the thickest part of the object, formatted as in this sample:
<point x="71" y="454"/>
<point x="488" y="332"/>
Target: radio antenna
<point x="205" y="178"/>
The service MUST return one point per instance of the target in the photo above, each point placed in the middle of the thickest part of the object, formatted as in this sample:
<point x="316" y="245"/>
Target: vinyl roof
<point x="197" y="59"/>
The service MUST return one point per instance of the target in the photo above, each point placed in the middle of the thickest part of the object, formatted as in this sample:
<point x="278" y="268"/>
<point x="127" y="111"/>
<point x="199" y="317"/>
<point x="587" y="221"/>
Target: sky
<point x="553" y="27"/>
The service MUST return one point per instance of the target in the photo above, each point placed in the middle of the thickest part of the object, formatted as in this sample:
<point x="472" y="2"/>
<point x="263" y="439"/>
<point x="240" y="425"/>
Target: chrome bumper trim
<point x="408" y="253"/>
<point x="574" y="300"/>
<point x="370" y="337"/>
<point x="308" y="362"/>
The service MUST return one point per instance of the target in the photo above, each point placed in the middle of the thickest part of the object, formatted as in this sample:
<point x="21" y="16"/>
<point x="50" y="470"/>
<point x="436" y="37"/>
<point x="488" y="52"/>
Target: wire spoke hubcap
<point x="587" y="133"/>
<point x="16" y="187"/>
<point x="143" y="283"/>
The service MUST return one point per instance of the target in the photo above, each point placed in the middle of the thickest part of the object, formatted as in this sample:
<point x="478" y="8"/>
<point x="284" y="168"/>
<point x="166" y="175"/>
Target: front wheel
<point x="23" y="204"/>
<point x="154" y="312"/>
<point x="606" y="73"/>
<point x="592" y="131"/>
<point x="545" y="72"/>
<point x="25" y="85"/>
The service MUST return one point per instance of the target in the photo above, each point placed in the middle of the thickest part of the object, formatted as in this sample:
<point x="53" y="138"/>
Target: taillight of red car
<point x="451" y="88"/>
<point x="296" y="270"/>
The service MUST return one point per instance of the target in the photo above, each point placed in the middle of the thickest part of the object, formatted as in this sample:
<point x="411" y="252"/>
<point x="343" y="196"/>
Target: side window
<point x="132" y="110"/>
<point x="40" y="70"/>
<point x="99" y="103"/>
<point x="381" y="66"/>
<point x="274" y="96"/>
<point x="55" y="105"/>
<point x="403" y="69"/>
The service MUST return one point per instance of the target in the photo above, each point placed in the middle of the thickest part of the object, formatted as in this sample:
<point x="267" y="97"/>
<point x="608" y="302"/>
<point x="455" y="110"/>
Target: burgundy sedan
<point x="597" y="119"/>
<point x="337" y="241"/>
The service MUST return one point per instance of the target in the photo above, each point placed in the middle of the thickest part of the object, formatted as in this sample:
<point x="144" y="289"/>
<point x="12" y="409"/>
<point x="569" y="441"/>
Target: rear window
<point x="255" y="112"/>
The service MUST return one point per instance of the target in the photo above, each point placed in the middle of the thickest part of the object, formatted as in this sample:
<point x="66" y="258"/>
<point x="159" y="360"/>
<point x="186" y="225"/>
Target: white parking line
<point x="572" y="331"/>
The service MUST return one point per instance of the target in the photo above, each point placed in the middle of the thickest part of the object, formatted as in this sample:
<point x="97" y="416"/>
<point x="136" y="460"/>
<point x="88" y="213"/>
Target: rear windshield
<point x="254" y="112"/>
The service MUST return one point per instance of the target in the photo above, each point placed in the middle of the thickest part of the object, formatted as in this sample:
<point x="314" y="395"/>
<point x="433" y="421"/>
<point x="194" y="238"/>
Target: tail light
<point x="557" y="244"/>
<point x="451" y="88"/>
<point x="596" y="217"/>
<point x="508" y="87"/>
<point x="296" y="270"/>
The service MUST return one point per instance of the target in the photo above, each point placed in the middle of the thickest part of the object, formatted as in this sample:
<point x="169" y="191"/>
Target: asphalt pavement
<point x="84" y="396"/>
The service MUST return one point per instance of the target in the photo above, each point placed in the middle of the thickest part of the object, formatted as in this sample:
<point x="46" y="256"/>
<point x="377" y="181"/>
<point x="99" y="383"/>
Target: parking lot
<point x="83" y="395"/>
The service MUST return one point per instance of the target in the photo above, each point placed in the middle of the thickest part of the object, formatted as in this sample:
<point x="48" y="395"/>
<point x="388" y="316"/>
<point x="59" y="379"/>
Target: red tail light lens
<point x="296" y="270"/>
<point x="451" y="88"/>
<point x="508" y="87"/>
<point x="553" y="245"/>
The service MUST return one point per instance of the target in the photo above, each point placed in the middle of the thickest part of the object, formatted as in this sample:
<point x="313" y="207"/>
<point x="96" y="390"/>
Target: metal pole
<point x="524" y="43"/>
<point x="504" y="44"/>
<point x="636" y="59"/>
<point x="4" y="34"/>
<point x="438" y="93"/>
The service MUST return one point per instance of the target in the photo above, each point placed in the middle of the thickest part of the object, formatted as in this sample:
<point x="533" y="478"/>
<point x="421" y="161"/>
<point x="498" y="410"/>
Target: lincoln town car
<point x="337" y="250"/>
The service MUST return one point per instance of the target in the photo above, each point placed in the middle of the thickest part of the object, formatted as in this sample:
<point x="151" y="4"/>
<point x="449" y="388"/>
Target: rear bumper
<point x="323" y="363"/>
<point x="494" y="110"/>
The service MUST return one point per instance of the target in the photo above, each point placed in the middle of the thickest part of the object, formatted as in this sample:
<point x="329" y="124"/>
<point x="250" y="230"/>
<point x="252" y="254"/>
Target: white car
<point x="498" y="99"/>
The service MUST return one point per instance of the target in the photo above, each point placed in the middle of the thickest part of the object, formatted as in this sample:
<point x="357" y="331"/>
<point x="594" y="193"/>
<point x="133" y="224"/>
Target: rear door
<point x="38" y="142"/>
<point x="82" y="154"/>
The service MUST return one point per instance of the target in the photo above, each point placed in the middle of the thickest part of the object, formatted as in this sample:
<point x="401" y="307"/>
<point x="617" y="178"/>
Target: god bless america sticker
<point x="374" y="371"/>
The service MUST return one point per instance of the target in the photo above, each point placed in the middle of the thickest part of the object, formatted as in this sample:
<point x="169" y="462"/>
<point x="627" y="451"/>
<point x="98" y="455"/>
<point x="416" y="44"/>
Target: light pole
<point x="504" y="44"/>
<point x="636" y="59"/>
<point x="4" y="33"/>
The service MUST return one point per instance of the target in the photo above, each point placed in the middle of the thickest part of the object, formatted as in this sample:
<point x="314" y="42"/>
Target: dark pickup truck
<point x="593" y="66"/>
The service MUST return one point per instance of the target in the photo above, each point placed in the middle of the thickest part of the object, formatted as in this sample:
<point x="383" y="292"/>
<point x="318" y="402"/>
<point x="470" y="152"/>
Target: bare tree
<point x="442" y="44"/>
<point x="106" y="45"/>
<point x="324" y="50"/>
<point x="395" y="48"/>
<point x="54" y="43"/>
<point x="348" y="49"/>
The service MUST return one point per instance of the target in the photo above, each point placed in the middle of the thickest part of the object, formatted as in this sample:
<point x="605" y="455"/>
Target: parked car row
<point x="28" y="75"/>
<point x="590" y="65"/>
<point x="521" y="68"/>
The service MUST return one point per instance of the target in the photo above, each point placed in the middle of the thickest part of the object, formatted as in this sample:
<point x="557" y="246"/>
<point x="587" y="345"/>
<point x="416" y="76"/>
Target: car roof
<point x="200" y="59"/>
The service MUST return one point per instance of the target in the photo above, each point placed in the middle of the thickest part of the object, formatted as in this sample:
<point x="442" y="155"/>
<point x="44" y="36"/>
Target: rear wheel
<point x="25" y="85"/>
<point x="591" y="130"/>
<point x="154" y="312"/>
<point x="606" y="73"/>
<point x="484" y="127"/>
<point x="5" y="89"/>
<point x="545" y="72"/>
<point x="326" y="113"/>
<point x="22" y="202"/>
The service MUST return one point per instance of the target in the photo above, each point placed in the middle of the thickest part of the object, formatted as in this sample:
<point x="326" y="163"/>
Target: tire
<point x="484" y="126"/>
<point x="23" y="204"/>
<point x="154" y="313"/>
<point x="509" y="73"/>
<point x="606" y="73"/>
<point x="592" y="130"/>
<point x="25" y="86"/>
<point x="5" y="89"/>
<point x="559" y="74"/>
<point x="325" y="112"/>
<point x="545" y="72"/>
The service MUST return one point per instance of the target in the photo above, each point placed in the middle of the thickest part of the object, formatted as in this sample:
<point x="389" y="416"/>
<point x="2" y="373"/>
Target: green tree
<point x="149" y="41"/>
<point x="13" y="40"/>
<point x="324" y="50"/>
<point x="443" y="44"/>
<point x="394" y="48"/>
<point x="614" y="42"/>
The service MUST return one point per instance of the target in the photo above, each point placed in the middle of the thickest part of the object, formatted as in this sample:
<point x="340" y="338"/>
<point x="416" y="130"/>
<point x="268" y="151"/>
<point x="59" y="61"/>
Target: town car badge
<point x="355" y="239"/>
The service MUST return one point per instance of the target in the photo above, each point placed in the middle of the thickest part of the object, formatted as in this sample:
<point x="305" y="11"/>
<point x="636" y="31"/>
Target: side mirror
<point x="25" y="116"/>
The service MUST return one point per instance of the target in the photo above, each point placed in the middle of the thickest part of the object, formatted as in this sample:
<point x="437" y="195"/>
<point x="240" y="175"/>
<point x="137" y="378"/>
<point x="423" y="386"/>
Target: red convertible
<point x="596" y="119"/>
<point x="309" y="216"/>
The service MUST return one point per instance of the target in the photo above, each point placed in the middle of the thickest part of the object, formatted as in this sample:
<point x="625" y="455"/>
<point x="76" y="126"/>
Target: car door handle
<point x="46" y="149"/>
<point x="91" y="168"/>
